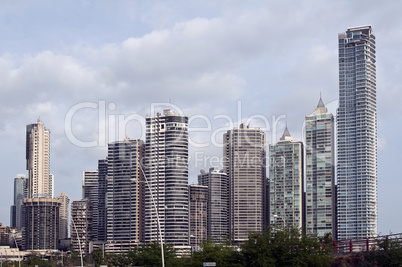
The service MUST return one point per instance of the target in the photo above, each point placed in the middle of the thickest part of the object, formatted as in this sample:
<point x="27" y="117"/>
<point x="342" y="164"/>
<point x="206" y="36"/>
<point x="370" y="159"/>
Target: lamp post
<point x="79" y="242"/>
<point x="15" y="240"/>
<point x="156" y="209"/>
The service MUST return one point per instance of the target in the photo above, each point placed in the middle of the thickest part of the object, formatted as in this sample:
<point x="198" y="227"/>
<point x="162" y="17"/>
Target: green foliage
<point x="149" y="255"/>
<point x="35" y="260"/>
<point x="387" y="253"/>
<point x="223" y="254"/>
<point x="284" y="248"/>
<point x="97" y="255"/>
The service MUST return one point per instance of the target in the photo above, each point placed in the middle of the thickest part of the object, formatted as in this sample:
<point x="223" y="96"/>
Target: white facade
<point x="357" y="135"/>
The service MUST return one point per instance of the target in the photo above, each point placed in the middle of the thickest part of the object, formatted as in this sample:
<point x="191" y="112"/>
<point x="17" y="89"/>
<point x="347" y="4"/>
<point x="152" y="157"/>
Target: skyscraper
<point x="244" y="163"/>
<point x="17" y="216"/>
<point x="357" y="134"/>
<point x="102" y="189"/>
<point x="286" y="182"/>
<point x="38" y="160"/>
<point x="124" y="195"/>
<point x="320" y="174"/>
<point x="42" y="223"/>
<point x="90" y="187"/>
<point x="166" y="194"/>
<point x="81" y="225"/>
<point x="64" y="200"/>
<point x="198" y="199"/>
<point x="218" y="203"/>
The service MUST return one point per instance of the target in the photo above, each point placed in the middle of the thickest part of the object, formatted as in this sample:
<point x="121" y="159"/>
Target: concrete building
<point x="286" y="182"/>
<point x="102" y="188"/>
<point x="218" y="203"/>
<point x="125" y="195"/>
<point x="42" y="223"/>
<point x="81" y="225"/>
<point x="198" y="196"/>
<point x="244" y="162"/>
<point x="63" y="217"/>
<point x="320" y="172"/>
<point x="357" y="134"/>
<point x="17" y="213"/>
<point x="166" y="193"/>
<point x="40" y="181"/>
<point x="90" y="187"/>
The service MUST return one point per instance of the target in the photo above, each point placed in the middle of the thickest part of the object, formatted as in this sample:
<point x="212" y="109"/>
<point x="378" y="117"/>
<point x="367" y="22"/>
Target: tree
<point x="149" y="255"/>
<point x="287" y="247"/>
<point x="224" y="254"/>
<point x="97" y="255"/>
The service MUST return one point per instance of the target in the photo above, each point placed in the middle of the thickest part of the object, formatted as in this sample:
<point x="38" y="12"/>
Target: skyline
<point x="203" y="57"/>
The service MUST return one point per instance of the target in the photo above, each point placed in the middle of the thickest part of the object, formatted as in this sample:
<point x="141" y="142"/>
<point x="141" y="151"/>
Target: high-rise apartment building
<point x="40" y="180"/>
<point x="166" y="193"/>
<point x="286" y="182"/>
<point x="124" y="195"/>
<point x="218" y="203"/>
<point x="102" y="189"/>
<point x="17" y="215"/>
<point x="198" y="199"/>
<point x="320" y="174"/>
<point x="63" y="217"/>
<point x="81" y="225"/>
<point x="244" y="163"/>
<point x="357" y="134"/>
<point x="90" y="186"/>
<point x="41" y="223"/>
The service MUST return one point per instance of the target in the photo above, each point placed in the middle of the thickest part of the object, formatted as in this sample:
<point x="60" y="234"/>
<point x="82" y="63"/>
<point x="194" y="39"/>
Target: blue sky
<point x="112" y="61"/>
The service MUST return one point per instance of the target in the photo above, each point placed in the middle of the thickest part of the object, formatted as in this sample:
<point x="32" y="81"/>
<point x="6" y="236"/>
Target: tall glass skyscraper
<point x="320" y="172"/>
<point x="357" y="134"/>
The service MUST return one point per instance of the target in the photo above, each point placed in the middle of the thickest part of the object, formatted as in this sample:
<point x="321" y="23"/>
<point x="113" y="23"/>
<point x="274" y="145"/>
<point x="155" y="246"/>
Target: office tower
<point x="38" y="160"/>
<point x="102" y="188"/>
<point x="320" y="175"/>
<point x="81" y="225"/>
<point x="218" y="203"/>
<point x="166" y="193"/>
<point x="41" y="223"/>
<point x="286" y="182"/>
<point x="90" y="187"/>
<point x="17" y="216"/>
<point x="244" y="162"/>
<point x="198" y="195"/>
<point x="357" y="134"/>
<point x="63" y="217"/>
<point x="124" y="197"/>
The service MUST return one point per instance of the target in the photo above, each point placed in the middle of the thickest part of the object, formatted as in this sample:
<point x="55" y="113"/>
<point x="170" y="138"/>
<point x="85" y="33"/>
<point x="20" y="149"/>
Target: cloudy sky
<point x="92" y="70"/>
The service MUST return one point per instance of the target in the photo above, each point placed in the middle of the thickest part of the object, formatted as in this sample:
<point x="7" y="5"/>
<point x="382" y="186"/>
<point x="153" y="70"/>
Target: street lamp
<point x="15" y="240"/>
<point x="79" y="242"/>
<point x="156" y="209"/>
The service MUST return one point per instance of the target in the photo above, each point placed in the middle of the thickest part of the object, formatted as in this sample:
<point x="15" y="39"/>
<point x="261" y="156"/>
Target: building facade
<point x="17" y="213"/>
<point x="244" y="162"/>
<point x="320" y="172"/>
<point x="125" y="195"/>
<point x="198" y="199"/>
<point x="40" y="181"/>
<point x="357" y="134"/>
<point x="63" y="217"/>
<point x="166" y="193"/>
<point x="90" y="187"/>
<point x="218" y="203"/>
<point x="102" y="189"/>
<point x="41" y="223"/>
<point x="286" y="182"/>
<point x="81" y="225"/>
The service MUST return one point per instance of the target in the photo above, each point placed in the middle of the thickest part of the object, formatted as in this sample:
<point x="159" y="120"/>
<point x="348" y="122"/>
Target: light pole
<point x="79" y="242"/>
<point x="156" y="209"/>
<point x="15" y="240"/>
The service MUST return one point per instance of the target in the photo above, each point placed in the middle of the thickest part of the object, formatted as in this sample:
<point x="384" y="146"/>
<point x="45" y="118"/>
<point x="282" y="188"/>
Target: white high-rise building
<point x="40" y="181"/>
<point x="357" y="135"/>
<point x="166" y="191"/>
<point x="63" y="216"/>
